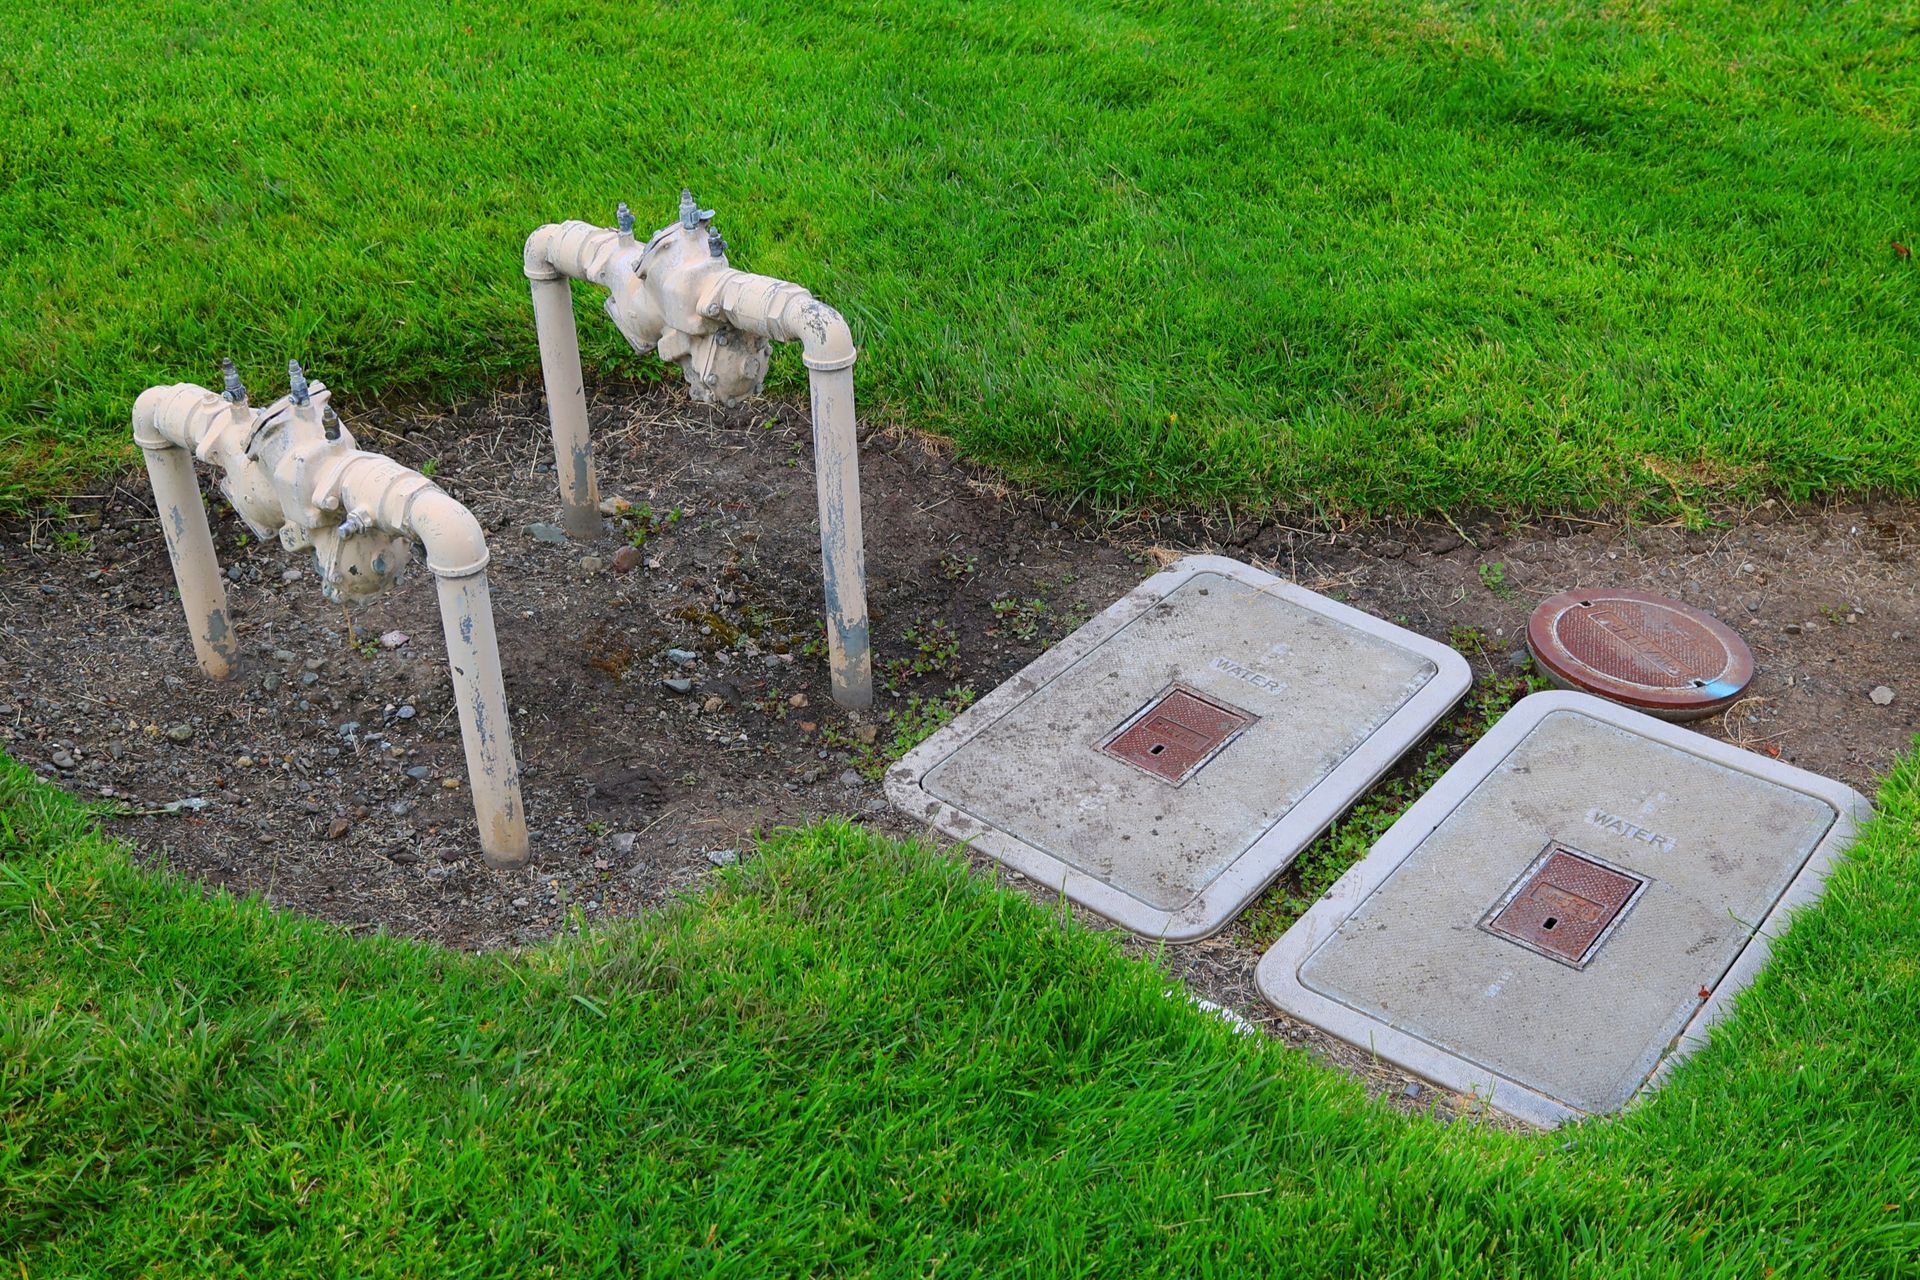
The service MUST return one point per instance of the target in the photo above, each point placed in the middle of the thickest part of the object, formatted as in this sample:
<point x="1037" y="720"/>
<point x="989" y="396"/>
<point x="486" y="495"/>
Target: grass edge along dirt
<point x="1359" y="257"/>
<point x="853" y="1056"/>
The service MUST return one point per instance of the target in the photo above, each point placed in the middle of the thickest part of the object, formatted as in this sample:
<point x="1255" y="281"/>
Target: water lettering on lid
<point x="1240" y="671"/>
<point x="1632" y="831"/>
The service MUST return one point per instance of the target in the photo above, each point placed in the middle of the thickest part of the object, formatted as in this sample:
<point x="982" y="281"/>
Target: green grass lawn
<point x="1379" y="256"/>
<point x="854" y="1058"/>
<point x="1358" y="255"/>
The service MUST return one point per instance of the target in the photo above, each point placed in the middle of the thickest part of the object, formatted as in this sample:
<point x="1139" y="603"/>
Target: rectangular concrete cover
<point x="1400" y="956"/>
<point x="1313" y="700"/>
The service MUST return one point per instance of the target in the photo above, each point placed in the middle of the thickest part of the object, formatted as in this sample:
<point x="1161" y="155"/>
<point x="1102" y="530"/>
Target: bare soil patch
<point x="325" y="764"/>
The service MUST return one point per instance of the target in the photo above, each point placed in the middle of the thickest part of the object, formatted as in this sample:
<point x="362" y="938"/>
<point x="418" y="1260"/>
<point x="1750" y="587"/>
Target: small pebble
<point x="349" y="729"/>
<point x="338" y="828"/>
<point x="866" y="733"/>
<point x="272" y="682"/>
<point x="684" y="657"/>
<point x="283" y="655"/>
<point x="393" y="639"/>
<point x="678" y="685"/>
<point x="615" y="506"/>
<point x="180" y="733"/>
<point x="848" y="778"/>
<point x="550" y="533"/>
<point x="797" y="700"/>
<point x="406" y="712"/>
<point x="713" y="704"/>
<point x="419" y="771"/>
<point x="622" y="842"/>
<point x="450" y="784"/>
<point x="61" y="760"/>
<point x="1412" y="1090"/>
<point x="402" y="855"/>
<point x="723" y="857"/>
<point x="314" y="664"/>
<point x="289" y="575"/>
<point x="309" y="678"/>
<point x="243" y="762"/>
<point x="625" y="559"/>
<point x="1881" y="695"/>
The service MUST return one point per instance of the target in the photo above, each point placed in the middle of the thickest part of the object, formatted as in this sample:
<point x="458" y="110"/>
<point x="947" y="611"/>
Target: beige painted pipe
<point x="836" y="460"/>
<point x="293" y="467"/>
<point x="196" y="568"/>
<point x="457" y="555"/>
<point x="197" y="414"/>
<point x="785" y="312"/>
<point x="677" y="292"/>
<point x="399" y="498"/>
<point x="566" y="405"/>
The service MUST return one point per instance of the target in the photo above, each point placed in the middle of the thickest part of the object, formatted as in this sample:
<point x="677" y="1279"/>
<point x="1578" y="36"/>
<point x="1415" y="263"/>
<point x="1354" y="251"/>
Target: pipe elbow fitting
<point x="575" y="250"/>
<point x="826" y="340"/>
<point x="456" y="545"/>
<point x="537" y="257"/>
<point x="162" y="416"/>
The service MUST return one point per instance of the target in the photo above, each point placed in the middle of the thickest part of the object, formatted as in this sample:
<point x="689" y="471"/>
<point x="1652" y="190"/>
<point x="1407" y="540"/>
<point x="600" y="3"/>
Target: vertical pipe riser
<point x="566" y="406"/>
<point x="836" y="448"/>
<point x="473" y="660"/>
<point x="196" y="568"/>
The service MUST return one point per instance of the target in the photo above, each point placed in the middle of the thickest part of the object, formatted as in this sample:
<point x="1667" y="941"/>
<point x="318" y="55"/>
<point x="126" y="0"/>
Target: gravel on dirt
<point x="667" y="712"/>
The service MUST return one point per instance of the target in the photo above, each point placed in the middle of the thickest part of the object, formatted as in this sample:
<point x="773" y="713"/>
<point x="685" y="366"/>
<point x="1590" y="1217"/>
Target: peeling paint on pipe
<point x="473" y="659"/>
<point x="183" y="519"/>
<point x="294" y="469"/>
<point x="566" y="406"/>
<point x="836" y="460"/>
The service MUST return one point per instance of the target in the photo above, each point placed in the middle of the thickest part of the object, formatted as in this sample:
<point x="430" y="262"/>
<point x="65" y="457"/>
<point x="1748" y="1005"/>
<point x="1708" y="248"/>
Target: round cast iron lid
<point x="1649" y="652"/>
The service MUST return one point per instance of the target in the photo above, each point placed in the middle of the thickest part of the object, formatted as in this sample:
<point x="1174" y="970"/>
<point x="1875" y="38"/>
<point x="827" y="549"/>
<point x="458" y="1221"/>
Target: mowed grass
<point x="1372" y="255"/>
<point x="855" y="1058"/>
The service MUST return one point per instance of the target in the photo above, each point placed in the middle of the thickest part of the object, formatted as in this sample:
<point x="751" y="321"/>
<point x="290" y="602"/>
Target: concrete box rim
<point x="1258" y="865"/>
<point x="1278" y="974"/>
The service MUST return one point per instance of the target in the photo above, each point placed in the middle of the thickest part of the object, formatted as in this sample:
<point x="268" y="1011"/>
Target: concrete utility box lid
<point x="1564" y="915"/>
<point x="1162" y="764"/>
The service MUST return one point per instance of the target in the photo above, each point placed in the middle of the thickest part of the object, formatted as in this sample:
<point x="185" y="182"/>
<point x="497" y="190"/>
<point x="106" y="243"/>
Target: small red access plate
<point x="1177" y="733"/>
<point x="1564" y="906"/>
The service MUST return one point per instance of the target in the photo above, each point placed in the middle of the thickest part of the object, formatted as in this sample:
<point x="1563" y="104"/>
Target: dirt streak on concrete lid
<point x="1647" y="651"/>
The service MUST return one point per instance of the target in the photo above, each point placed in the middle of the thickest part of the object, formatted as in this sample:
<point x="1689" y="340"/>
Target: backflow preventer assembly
<point x="675" y="294"/>
<point x="293" y="470"/>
